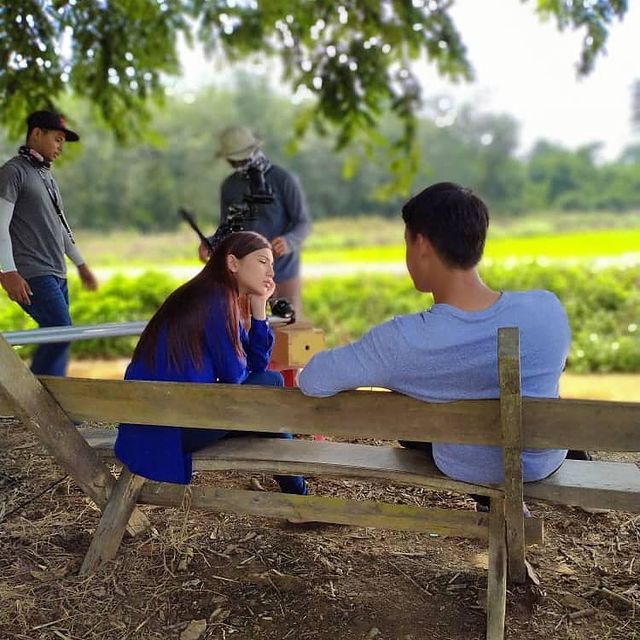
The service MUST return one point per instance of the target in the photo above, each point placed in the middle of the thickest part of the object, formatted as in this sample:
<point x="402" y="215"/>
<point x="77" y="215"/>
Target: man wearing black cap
<point x="35" y="236"/>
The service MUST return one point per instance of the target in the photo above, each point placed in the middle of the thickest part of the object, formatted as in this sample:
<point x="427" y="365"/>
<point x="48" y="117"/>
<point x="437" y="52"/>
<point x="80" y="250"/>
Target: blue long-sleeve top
<point x="160" y="452"/>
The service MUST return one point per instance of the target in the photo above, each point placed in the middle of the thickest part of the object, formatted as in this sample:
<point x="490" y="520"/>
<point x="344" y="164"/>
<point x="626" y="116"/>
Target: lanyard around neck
<point x="42" y="166"/>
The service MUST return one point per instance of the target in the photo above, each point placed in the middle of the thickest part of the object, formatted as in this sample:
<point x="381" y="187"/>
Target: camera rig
<point x="240" y="214"/>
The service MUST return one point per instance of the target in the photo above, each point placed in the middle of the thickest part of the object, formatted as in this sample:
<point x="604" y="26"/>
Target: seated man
<point x="448" y="352"/>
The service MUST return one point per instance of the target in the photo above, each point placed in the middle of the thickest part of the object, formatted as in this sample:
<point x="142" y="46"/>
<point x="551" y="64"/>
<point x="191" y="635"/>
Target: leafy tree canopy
<point x="354" y="55"/>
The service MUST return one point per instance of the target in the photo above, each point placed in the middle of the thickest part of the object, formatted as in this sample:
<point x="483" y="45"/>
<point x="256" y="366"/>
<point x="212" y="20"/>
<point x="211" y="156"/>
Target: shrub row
<point x="603" y="307"/>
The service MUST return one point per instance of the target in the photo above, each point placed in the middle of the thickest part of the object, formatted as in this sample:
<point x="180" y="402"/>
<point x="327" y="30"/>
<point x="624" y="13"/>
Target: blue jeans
<point x="49" y="308"/>
<point x="194" y="439"/>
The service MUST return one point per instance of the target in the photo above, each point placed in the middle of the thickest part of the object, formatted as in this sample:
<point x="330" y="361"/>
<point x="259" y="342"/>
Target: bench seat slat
<point x="274" y="455"/>
<point x="604" y="485"/>
<point x="600" y="485"/>
<point x="330" y="458"/>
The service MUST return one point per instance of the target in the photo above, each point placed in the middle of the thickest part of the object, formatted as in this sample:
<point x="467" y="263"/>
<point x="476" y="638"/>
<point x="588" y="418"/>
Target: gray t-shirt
<point x="37" y="233"/>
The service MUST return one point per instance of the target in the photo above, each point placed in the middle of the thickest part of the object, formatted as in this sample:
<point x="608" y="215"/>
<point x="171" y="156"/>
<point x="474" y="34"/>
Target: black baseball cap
<point x="51" y="120"/>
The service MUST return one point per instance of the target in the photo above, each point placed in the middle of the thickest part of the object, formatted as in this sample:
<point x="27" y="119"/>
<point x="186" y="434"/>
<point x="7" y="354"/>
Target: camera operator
<point x="263" y="197"/>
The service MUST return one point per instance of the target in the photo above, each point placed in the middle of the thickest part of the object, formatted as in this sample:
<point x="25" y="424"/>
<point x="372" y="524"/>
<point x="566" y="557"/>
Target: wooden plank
<point x="242" y="407"/>
<point x="497" y="580"/>
<point x="547" y="423"/>
<point x="6" y="408"/>
<point x="277" y="456"/>
<point x="397" y="517"/>
<point x="445" y="522"/>
<point x="596" y="425"/>
<point x="599" y="485"/>
<point x="108" y="535"/>
<point x="100" y="440"/>
<point x="393" y="464"/>
<point x="511" y="421"/>
<point x="38" y="411"/>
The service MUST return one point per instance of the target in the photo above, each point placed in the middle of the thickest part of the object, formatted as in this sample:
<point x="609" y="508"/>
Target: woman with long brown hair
<point x="199" y="335"/>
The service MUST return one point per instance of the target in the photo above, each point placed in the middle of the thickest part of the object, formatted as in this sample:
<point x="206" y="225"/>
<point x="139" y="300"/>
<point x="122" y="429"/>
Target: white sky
<point x="527" y="68"/>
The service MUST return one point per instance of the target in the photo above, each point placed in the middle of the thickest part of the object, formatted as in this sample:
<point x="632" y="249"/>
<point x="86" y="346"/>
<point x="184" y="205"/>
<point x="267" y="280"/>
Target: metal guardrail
<point x="76" y="332"/>
<point x="88" y="332"/>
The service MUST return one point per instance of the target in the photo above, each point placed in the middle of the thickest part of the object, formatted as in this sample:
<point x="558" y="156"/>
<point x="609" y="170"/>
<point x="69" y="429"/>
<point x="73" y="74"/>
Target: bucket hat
<point x="238" y="143"/>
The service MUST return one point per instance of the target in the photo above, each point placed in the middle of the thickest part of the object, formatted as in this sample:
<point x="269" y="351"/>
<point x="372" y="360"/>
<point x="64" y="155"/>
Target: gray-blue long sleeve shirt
<point x="445" y="354"/>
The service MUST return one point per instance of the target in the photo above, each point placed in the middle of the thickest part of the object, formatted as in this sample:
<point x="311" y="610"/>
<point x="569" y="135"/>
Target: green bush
<point x="119" y="299"/>
<point x="603" y="307"/>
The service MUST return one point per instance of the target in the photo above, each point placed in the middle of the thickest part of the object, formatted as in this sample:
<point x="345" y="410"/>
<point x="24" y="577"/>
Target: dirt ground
<point x="203" y="575"/>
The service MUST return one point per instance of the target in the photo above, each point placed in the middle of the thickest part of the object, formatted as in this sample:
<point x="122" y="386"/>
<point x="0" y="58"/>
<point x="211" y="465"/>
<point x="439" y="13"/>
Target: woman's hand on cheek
<point x="258" y="302"/>
<point x="270" y="289"/>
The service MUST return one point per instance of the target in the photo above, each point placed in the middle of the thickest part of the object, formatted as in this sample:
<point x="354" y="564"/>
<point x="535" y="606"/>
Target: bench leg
<point x="24" y="396"/>
<point x="113" y="523"/>
<point x="516" y="541"/>
<point x="497" y="580"/>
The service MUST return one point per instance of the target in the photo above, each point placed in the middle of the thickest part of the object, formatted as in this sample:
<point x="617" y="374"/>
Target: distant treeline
<point x="108" y="185"/>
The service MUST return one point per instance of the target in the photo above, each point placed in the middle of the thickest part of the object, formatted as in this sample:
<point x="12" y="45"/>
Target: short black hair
<point x="453" y="219"/>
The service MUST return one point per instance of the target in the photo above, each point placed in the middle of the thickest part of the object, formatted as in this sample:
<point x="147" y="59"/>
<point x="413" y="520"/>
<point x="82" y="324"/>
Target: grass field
<point x="619" y="387"/>
<point x="349" y="240"/>
<point x="608" y="244"/>
<point x="371" y="240"/>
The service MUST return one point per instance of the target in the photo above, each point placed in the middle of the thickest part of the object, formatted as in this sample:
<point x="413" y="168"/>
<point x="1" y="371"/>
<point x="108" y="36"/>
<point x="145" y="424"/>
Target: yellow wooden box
<point x="296" y="343"/>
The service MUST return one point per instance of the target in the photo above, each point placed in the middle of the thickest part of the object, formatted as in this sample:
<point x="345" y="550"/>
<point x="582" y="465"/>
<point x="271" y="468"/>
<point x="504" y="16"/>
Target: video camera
<point x="240" y="213"/>
<point x="283" y="308"/>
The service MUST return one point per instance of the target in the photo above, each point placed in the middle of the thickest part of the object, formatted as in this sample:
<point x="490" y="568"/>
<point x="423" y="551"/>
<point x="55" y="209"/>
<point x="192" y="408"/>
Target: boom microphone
<point x="189" y="218"/>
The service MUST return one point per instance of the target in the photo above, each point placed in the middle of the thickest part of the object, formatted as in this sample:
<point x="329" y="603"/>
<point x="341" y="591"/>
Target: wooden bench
<point x="50" y="406"/>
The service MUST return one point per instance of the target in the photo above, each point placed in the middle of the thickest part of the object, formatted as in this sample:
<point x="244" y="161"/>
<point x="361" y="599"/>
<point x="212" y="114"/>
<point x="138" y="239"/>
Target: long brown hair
<point x="183" y="314"/>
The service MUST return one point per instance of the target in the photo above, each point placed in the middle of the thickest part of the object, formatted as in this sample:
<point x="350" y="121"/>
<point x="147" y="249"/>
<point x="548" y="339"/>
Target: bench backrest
<point x="546" y="423"/>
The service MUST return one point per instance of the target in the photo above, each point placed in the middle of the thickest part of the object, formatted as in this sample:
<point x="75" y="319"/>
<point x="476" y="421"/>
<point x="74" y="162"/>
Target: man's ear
<point x="425" y="248"/>
<point x="232" y="263"/>
<point x="34" y="134"/>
